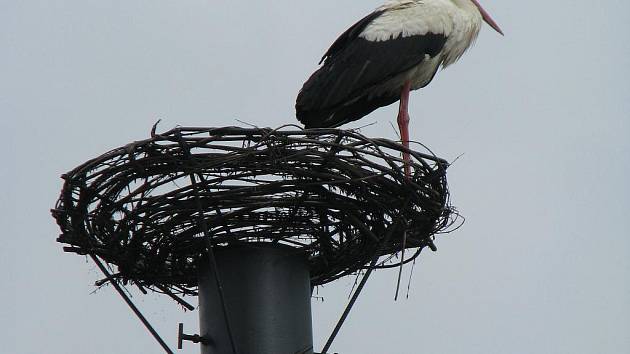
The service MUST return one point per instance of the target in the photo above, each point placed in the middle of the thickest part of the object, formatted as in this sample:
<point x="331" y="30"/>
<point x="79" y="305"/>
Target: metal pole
<point x="267" y="297"/>
<point x="133" y="307"/>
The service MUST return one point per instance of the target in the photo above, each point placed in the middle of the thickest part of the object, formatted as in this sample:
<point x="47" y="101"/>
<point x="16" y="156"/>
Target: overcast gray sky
<point x="541" y="115"/>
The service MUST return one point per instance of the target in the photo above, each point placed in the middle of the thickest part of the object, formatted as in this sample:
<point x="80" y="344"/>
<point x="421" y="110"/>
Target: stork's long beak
<point x="486" y="17"/>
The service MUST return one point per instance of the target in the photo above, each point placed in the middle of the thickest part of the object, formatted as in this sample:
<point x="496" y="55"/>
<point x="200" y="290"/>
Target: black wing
<point x="349" y="35"/>
<point x="343" y="89"/>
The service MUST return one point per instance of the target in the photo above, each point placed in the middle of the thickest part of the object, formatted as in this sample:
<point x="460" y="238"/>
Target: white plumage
<point x="397" y="48"/>
<point x="458" y="21"/>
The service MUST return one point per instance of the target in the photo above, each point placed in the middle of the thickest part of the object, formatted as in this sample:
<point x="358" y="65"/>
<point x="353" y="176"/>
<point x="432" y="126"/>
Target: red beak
<point x="486" y="17"/>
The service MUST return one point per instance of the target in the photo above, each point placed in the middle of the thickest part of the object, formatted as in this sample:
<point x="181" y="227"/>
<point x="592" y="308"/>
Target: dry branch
<point x="326" y="192"/>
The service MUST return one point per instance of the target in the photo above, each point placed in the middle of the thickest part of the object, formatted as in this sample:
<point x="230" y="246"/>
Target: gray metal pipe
<point x="268" y="298"/>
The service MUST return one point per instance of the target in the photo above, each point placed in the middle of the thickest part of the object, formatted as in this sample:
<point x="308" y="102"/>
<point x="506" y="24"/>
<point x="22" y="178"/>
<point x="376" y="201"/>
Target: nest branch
<point x="329" y="193"/>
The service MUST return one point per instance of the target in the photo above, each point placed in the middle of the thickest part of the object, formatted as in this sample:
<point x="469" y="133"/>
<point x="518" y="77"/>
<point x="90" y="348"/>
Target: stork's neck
<point x="466" y="25"/>
<point x="397" y="4"/>
<point x="465" y="5"/>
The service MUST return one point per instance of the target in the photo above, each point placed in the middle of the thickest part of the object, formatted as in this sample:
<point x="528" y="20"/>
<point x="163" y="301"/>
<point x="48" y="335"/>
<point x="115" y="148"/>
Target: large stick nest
<point x="333" y="194"/>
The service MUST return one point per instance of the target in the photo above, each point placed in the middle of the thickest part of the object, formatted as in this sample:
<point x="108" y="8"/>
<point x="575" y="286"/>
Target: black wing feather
<point x="350" y="34"/>
<point x="342" y="89"/>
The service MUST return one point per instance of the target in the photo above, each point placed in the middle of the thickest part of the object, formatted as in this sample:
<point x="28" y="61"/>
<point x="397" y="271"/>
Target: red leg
<point x="403" y="124"/>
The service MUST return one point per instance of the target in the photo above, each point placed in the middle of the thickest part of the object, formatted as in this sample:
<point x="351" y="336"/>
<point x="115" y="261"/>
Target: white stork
<point x="397" y="48"/>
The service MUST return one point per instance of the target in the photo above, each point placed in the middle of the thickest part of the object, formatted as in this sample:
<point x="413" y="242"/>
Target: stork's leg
<point x="403" y="124"/>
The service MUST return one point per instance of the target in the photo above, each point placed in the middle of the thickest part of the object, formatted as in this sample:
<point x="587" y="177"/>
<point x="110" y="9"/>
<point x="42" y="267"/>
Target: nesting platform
<point x="336" y="196"/>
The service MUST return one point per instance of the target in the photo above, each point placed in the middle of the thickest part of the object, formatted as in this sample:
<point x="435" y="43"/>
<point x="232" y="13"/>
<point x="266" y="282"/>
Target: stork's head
<point x="486" y="17"/>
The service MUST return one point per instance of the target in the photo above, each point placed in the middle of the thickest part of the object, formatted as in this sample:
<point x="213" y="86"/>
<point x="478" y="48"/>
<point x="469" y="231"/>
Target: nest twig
<point x="329" y="193"/>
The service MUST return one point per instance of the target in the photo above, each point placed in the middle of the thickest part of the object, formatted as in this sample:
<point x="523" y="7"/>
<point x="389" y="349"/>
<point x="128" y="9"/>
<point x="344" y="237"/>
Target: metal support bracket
<point x="195" y="338"/>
